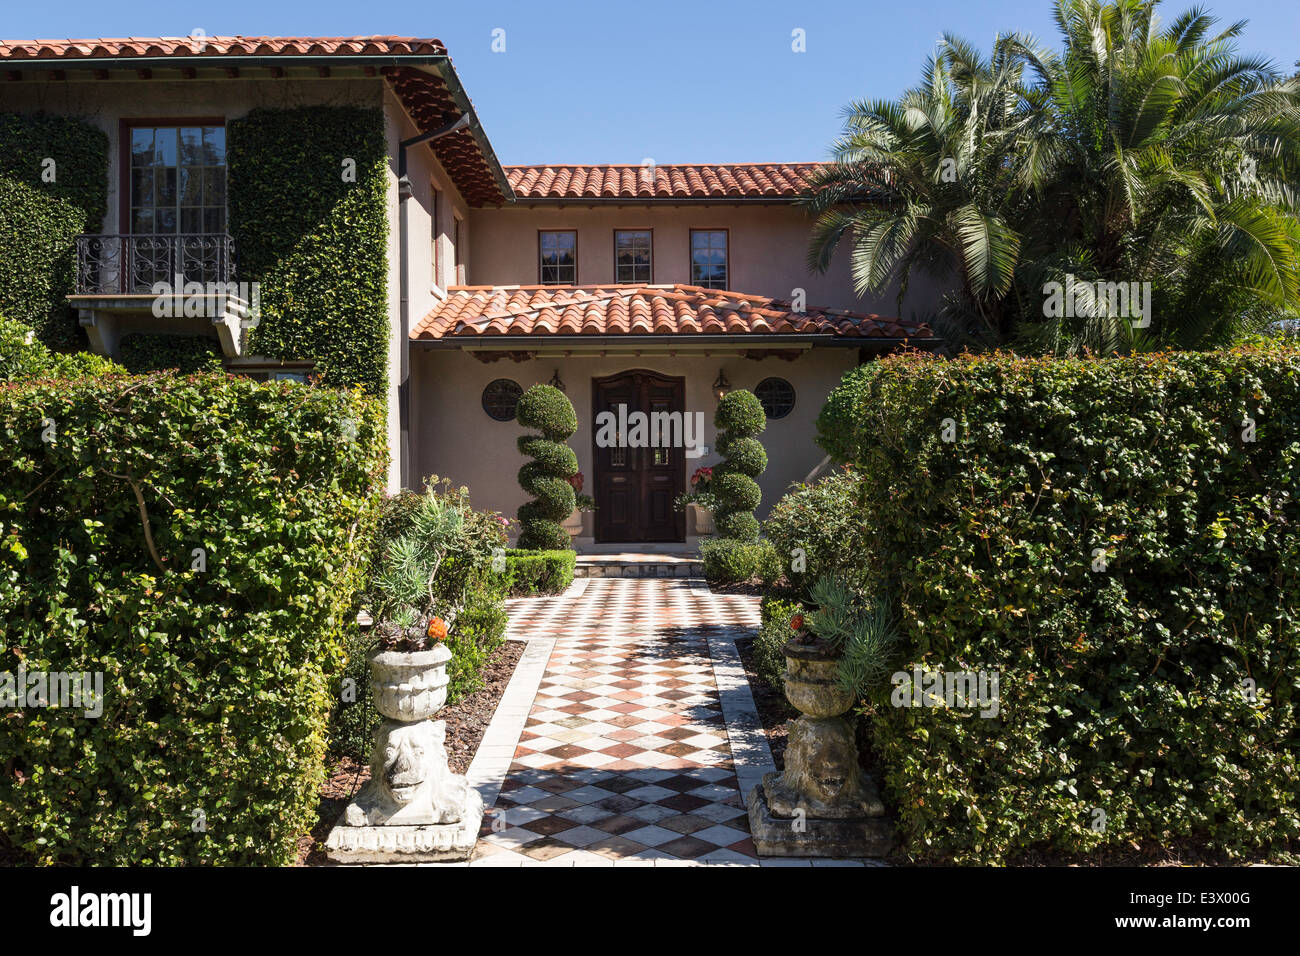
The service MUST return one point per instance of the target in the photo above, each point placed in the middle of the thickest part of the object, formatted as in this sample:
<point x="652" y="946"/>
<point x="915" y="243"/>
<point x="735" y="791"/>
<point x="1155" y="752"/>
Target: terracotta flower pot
<point x="409" y="686"/>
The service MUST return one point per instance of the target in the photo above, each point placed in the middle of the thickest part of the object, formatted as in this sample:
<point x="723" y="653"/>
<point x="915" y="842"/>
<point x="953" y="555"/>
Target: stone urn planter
<point x="573" y="523"/>
<point x="413" y="808"/>
<point x="822" y="804"/>
<point x="701" y="520"/>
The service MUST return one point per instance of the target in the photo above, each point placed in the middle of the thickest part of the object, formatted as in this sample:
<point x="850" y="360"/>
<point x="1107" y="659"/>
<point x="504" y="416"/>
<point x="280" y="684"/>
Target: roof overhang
<point x="662" y="344"/>
<point x="439" y="99"/>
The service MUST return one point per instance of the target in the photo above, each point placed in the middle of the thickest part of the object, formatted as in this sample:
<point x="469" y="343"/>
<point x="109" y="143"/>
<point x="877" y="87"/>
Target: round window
<point x="777" y="397"/>
<point x="500" y="398"/>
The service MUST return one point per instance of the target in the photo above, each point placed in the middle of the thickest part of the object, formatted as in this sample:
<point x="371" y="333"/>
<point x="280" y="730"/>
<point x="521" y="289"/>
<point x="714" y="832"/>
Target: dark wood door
<point x="635" y="487"/>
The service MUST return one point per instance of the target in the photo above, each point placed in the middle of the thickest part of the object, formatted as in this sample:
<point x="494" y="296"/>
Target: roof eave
<point x="667" y="340"/>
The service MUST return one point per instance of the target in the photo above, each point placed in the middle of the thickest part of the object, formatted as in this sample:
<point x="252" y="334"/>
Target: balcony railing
<point x="135" y="264"/>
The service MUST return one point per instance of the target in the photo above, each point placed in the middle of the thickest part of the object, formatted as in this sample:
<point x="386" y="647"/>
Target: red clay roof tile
<point x="473" y="311"/>
<point x="698" y="181"/>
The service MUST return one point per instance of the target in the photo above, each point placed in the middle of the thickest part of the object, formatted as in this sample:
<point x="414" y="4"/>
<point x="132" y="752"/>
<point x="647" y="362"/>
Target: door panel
<point x="635" y="487"/>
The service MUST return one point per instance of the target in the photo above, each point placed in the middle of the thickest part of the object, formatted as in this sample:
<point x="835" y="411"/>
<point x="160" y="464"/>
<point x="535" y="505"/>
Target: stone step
<point x="638" y="566"/>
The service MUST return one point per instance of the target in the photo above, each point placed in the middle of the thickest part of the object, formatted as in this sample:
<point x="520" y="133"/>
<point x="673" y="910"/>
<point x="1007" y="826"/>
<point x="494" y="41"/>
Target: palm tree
<point x="1140" y="154"/>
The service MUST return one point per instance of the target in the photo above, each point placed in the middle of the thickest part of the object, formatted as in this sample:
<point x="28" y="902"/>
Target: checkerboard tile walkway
<point x="625" y="755"/>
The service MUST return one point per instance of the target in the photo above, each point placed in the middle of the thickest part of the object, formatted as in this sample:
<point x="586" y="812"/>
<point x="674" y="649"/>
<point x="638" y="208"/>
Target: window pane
<point x="558" y="258"/>
<point x="164" y="146"/>
<point x="142" y="147"/>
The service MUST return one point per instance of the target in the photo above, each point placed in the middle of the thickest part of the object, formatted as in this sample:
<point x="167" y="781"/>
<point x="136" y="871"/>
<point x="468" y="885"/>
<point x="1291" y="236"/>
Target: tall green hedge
<point x="1120" y="541"/>
<point x="308" y="215"/>
<point x="39" y="219"/>
<point x="217" y="641"/>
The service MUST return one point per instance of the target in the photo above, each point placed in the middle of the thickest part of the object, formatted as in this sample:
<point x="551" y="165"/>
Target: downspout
<point x="404" y="281"/>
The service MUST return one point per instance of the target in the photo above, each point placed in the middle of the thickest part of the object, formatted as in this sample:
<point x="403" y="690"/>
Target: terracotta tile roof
<point x="466" y="155"/>
<point x="776" y="181"/>
<point x="218" y="46"/>
<point x="480" y="311"/>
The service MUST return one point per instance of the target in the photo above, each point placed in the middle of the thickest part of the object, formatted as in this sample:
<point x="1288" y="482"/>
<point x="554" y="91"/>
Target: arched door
<point x="634" y="487"/>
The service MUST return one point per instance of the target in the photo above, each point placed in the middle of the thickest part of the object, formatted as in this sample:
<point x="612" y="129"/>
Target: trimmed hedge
<point x="147" y="352"/>
<point x="731" y="561"/>
<point x="316" y="242"/>
<point x="549" y="411"/>
<point x="217" y="664"/>
<point x="539" y="572"/>
<point x="1120" y="541"/>
<point x="39" y="219"/>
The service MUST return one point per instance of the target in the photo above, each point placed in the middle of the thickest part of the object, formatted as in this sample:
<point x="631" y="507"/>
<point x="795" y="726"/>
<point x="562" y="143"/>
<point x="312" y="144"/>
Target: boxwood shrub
<point x="539" y="572"/>
<point x="39" y="218"/>
<point x="197" y="541"/>
<point x="1120" y="541"/>
<point x="732" y="561"/>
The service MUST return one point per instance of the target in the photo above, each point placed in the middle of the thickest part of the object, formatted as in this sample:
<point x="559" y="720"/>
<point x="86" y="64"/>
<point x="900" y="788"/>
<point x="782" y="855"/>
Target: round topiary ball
<point x="736" y="491"/>
<point x="744" y="455"/>
<point x="741" y="525"/>
<point x="740" y="413"/>
<point x="557" y="458"/>
<point x="549" y="410"/>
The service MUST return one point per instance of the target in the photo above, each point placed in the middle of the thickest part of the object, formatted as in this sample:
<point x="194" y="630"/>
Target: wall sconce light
<point x="721" y="386"/>
<point x="556" y="381"/>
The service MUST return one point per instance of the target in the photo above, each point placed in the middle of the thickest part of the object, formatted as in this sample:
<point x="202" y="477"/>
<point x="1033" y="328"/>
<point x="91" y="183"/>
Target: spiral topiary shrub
<point x="739" y="418"/>
<point x="546" y="477"/>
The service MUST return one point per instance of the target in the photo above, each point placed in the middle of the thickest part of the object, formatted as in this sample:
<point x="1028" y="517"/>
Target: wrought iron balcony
<point x="135" y="264"/>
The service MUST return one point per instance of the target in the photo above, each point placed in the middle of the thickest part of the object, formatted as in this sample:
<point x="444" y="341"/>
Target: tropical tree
<point x="1136" y="190"/>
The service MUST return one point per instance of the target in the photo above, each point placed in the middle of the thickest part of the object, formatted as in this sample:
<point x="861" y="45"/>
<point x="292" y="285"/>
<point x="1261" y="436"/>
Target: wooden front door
<point x="635" y="487"/>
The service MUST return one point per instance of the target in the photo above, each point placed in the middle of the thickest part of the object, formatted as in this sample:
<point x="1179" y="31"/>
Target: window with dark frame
<point x="558" y="257"/>
<point x="177" y="180"/>
<point x="500" y="397"/>
<point x="776" y="395"/>
<point x="633" y="255"/>
<point x="709" y="258"/>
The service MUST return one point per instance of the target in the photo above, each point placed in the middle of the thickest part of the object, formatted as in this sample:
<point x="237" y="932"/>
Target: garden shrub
<point x="217" y="632"/>
<point x="817" y="529"/>
<point x="730" y="561"/>
<point x="773" y="633"/>
<point x="322" y="258"/>
<point x="549" y="411"/>
<point x="1119" y="541"/>
<point x="40" y="219"/>
<point x="739" y="417"/>
<point x="539" y="572"/>
<point x="23" y="356"/>
<point x="149" y="352"/>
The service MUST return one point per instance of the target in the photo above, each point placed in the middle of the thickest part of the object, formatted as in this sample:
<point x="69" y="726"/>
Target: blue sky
<point x="702" y="81"/>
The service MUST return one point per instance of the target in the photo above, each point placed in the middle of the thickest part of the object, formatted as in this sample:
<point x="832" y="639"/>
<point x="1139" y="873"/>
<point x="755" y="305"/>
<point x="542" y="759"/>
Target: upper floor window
<point x="178" y="180"/>
<point x="558" y="255"/>
<point x="709" y="258"/>
<point x="633" y="252"/>
<point x="456" y="255"/>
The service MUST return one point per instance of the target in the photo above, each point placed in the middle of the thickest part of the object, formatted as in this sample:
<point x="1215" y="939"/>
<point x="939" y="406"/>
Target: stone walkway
<point x="628" y="734"/>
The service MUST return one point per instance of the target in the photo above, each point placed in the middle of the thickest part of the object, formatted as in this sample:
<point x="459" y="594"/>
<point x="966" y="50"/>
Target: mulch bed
<point x="467" y="722"/>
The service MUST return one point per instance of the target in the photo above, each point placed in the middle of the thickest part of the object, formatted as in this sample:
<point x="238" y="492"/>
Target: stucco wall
<point x="426" y="289"/>
<point x="458" y="440"/>
<point x="768" y="246"/>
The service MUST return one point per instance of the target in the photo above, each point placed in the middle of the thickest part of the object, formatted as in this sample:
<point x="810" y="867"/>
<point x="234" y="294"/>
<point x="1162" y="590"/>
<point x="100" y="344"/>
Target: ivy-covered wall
<point x="307" y="211"/>
<point x="53" y="185"/>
